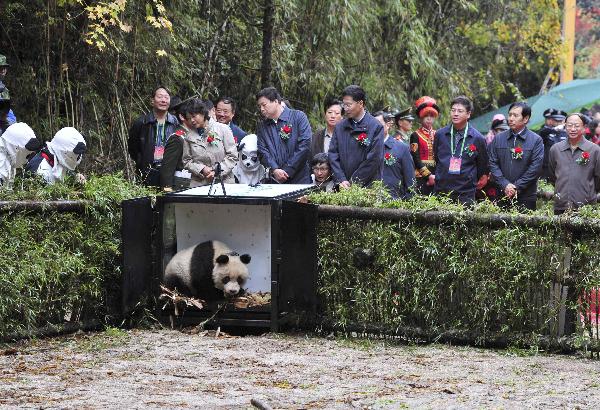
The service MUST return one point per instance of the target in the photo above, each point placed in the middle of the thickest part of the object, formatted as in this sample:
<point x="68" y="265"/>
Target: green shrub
<point x="458" y="275"/>
<point x="61" y="265"/>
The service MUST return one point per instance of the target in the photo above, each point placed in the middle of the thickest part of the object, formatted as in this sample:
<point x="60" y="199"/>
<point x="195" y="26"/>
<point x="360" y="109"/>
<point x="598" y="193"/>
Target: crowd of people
<point x="192" y="142"/>
<point x="20" y="148"/>
<point x="189" y="143"/>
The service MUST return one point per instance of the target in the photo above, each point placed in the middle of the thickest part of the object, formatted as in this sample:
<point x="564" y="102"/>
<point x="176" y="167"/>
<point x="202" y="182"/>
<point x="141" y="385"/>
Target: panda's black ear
<point x="245" y="258"/>
<point x="222" y="259"/>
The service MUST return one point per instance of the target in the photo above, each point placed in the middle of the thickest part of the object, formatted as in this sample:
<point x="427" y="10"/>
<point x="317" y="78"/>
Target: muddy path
<point x="167" y="369"/>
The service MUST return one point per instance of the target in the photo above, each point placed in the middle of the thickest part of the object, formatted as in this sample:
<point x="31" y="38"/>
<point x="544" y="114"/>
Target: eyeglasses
<point x="574" y="126"/>
<point x="349" y="104"/>
<point x="324" y="169"/>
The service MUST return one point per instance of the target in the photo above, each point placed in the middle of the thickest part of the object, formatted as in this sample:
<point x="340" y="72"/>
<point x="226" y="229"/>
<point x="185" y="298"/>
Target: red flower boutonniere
<point x="389" y="159"/>
<point x="285" y="132"/>
<point x="472" y="149"/>
<point x="211" y="138"/>
<point x="362" y="138"/>
<point x="517" y="153"/>
<point x="180" y="132"/>
<point x="584" y="158"/>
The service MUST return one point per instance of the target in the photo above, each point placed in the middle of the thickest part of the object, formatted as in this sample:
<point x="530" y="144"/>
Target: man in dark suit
<point x="356" y="150"/>
<point x="516" y="158"/>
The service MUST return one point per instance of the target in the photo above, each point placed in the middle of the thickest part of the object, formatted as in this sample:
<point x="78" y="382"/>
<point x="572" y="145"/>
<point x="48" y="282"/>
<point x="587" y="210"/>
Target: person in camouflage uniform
<point x="6" y="115"/>
<point x="3" y="70"/>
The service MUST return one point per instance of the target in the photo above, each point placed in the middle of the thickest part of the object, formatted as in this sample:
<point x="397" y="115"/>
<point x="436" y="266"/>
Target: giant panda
<point x="208" y="270"/>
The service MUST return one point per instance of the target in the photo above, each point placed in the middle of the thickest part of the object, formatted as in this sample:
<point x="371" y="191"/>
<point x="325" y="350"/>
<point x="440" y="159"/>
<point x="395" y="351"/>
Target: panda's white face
<point x="232" y="286"/>
<point x="230" y="274"/>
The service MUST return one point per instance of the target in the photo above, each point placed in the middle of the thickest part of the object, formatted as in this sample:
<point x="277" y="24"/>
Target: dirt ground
<point x="168" y="369"/>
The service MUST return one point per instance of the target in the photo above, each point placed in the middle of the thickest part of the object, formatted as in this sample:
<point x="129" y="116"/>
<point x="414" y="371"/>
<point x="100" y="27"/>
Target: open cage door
<point x="137" y="224"/>
<point x="297" y="290"/>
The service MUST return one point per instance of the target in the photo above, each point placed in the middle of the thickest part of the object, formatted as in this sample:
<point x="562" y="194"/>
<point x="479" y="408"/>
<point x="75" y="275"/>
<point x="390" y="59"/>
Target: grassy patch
<point x="452" y="277"/>
<point x="65" y="266"/>
<point x="110" y="338"/>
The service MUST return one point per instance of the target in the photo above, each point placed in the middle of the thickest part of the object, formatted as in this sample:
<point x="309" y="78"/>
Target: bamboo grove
<point x="93" y="64"/>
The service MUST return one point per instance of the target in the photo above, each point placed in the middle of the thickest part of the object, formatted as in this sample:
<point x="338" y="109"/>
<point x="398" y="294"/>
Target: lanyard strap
<point x="160" y="133"/>
<point x="452" y="146"/>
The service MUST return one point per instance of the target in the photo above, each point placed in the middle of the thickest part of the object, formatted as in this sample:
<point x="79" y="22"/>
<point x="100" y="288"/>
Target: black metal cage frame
<point x="293" y="262"/>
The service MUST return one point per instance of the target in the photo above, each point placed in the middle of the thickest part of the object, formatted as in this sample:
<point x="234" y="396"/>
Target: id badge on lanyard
<point x="456" y="157"/>
<point x="159" y="147"/>
<point x="455" y="163"/>
<point x="159" y="153"/>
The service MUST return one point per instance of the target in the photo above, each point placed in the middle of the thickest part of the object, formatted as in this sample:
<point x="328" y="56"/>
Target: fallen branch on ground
<point x="177" y="298"/>
<point x="259" y="404"/>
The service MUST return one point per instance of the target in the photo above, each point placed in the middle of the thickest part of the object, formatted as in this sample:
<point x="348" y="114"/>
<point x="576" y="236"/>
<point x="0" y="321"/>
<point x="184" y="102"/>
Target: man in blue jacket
<point x="283" y="139"/>
<point x="516" y="158"/>
<point x="356" y="148"/>
<point x="460" y="155"/>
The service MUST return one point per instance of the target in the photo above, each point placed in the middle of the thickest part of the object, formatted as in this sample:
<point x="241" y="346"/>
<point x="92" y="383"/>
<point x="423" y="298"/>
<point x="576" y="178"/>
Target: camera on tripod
<point x="218" y="175"/>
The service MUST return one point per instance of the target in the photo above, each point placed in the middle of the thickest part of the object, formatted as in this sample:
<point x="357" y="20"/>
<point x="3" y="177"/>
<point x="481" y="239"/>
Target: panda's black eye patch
<point x="241" y="281"/>
<point x="244" y="157"/>
<point x="225" y="280"/>
<point x="254" y="159"/>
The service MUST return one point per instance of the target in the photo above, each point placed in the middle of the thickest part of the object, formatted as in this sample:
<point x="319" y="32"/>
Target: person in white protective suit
<point x="16" y="144"/>
<point x="60" y="156"/>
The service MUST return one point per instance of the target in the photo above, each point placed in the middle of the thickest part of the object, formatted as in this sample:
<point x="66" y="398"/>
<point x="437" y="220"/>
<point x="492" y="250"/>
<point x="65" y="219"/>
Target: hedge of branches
<point x="437" y="270"/>
<point x="60" y="267"/>
<point x="458" y="275"/>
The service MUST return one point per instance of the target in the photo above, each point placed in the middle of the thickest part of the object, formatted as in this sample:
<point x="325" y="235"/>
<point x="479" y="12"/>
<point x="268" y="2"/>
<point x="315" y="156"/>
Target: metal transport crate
<point x="264" y="221"/>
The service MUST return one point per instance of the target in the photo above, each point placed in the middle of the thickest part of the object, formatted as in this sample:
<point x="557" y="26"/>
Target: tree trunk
<point x="267" y="45"/>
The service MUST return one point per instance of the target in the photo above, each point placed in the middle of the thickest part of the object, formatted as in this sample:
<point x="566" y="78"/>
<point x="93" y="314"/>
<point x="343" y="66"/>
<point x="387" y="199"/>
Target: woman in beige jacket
<point x="212" y="143"/>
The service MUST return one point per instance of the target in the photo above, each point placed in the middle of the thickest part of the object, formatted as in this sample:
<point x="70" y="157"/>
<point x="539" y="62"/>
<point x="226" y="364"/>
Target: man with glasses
<point x="516" y="158"/>
<point x="356" y="148"/>
<point x="574" y="166"/>
<point x="322" y="177"/>
<point x="225" y="112"/>
<point x="460" y="155"/>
